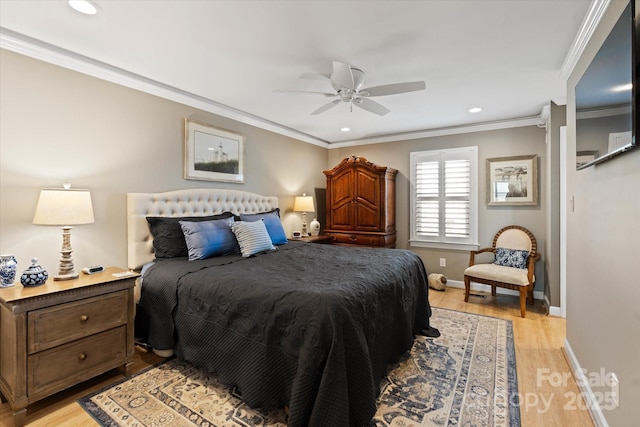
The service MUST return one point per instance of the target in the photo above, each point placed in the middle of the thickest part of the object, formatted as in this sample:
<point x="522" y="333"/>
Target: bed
<point x="307" y="326"/>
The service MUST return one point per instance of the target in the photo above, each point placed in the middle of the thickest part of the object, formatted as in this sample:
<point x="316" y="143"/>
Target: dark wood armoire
<point x="361" y="203"/>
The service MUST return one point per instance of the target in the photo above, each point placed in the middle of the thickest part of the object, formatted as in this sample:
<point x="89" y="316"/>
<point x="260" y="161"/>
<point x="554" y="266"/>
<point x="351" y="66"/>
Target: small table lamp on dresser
<point x="64" y="207"/>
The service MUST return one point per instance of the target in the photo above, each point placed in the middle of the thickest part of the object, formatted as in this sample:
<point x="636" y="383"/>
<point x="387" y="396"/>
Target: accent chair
<point x="515" y="254"/>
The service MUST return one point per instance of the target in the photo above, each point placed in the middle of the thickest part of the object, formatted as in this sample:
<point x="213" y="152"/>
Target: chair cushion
<point x="499" y="273"/>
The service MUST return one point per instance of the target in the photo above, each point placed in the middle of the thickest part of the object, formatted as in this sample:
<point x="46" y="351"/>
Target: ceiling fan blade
<point x="304" y="91"/>
<point x="392" y="89"/>
<point x="326" y="107"/>
<point x="342" y="76"/>
<point x="371" y="106"/>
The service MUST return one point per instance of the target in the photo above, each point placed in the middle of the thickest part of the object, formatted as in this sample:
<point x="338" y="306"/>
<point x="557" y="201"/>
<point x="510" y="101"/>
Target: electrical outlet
<point x="443" y="262"/>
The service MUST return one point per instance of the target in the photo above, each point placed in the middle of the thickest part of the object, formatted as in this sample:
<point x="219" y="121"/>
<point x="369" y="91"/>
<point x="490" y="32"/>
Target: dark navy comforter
<point x="309" y="326"/>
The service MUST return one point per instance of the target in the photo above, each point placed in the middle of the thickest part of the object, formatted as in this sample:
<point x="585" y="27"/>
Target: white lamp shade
<point x="59" y="206"/>
<point x="303" y="204"/>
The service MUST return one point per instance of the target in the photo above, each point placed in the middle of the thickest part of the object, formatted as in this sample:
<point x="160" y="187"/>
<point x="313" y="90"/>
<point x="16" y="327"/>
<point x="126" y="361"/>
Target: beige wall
<point x="496" y="143"/>
<point x="603" y="238"/>
<point x="58" y="125"/>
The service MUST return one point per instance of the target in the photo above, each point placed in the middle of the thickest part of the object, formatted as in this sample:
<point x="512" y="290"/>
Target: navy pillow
<point x="272" y="222"/>
<point x="511" y="258"/>
<point x="209" y="238"/>
<point x="168" y="238"/>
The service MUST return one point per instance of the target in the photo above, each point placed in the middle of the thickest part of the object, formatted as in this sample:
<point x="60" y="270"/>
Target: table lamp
<point x="64" y="207"/>
<point x="303" y="204"/>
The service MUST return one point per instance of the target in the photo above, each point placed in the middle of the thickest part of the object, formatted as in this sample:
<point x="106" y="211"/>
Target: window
<point x="444" y="198"/>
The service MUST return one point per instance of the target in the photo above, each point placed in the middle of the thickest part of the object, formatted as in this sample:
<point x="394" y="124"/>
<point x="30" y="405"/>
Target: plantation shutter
<point x="444" y="196"/>
<point x="427" y="209"/>
<point x="457" y="210"/>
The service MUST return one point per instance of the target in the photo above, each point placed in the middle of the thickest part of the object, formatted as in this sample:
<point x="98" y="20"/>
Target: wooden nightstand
<point x="318" y="239"/>
<point x="63" y="332"/>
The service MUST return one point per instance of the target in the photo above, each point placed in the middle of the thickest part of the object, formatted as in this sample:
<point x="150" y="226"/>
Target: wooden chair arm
<point x="532" y="264"/>
<point x="534" y="259"/>
<point x="472" y="254"/>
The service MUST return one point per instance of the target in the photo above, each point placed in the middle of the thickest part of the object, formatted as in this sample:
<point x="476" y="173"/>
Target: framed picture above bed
<point x="212" y="154"/>
<point x="512" y="181"/>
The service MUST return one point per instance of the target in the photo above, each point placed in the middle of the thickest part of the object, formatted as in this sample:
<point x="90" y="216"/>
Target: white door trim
<point x="563" y="221"/>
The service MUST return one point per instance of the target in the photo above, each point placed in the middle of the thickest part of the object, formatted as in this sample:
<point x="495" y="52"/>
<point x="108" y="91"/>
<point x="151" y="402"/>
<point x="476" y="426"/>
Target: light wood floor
<point x="538" y="341"/>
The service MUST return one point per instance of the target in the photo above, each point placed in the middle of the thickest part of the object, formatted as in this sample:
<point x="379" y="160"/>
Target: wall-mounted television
<point x="607" y="100"/>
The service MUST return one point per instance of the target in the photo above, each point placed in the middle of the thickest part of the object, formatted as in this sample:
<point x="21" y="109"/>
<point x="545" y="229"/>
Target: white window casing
<point x="444" y="198"/>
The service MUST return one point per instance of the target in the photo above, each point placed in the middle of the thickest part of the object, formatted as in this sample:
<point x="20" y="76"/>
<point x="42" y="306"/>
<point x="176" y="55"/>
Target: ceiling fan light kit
<point x="347" y="82"/>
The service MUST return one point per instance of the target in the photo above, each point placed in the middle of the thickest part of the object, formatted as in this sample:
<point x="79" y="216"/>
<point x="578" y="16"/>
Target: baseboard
<point x="552" y="309"/>
<point x="478" y="287"/>
<point x="585" y="389"/>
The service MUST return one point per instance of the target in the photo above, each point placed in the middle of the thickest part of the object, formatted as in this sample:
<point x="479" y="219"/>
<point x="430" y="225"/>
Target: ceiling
<point x="502" y="55"/>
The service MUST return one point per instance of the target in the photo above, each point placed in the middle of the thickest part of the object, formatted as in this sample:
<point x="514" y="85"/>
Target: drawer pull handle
<point x="84" y="318"/>
<point x="82" y="356"/>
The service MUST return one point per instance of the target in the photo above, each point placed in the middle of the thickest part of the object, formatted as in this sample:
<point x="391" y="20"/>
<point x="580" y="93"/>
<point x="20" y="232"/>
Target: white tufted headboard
<point x="189" y="202"/>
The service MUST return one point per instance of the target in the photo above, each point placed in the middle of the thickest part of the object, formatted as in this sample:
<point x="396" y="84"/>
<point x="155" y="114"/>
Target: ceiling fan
<point x="347" y="81"/>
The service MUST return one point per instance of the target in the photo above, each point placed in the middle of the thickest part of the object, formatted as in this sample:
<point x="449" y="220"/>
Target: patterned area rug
<point x="466" y="377"/>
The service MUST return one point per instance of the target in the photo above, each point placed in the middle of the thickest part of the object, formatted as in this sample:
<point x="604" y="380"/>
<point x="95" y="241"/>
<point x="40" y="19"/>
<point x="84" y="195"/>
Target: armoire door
<point x="366" y="206"/>
<point x="341" y="194"/>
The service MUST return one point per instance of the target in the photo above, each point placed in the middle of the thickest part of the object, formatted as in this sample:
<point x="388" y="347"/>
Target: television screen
<point x="605" y="105"/>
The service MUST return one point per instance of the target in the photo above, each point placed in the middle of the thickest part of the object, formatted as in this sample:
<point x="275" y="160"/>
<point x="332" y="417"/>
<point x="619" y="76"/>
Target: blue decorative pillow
<point x="252" y="237"/>
<point x="511" y="258"/>
<point x="273" y="224"/>
<point x="209" y="238"/>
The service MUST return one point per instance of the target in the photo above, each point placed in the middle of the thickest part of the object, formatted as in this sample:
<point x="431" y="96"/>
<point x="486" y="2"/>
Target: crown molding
<point x="589" y="24"/>
<point x="46" y="52"/>
<point x="453" y="130"/>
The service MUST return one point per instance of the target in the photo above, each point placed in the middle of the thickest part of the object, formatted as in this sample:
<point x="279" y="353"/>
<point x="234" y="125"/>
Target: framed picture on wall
<point x="212" y="154"/>
<point x="512" y="181"/>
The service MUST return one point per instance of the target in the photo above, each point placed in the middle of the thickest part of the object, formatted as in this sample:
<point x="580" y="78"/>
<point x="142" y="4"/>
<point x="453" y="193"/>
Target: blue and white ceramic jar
<point x="8" y="267"/>
<point x="34" y="275"/>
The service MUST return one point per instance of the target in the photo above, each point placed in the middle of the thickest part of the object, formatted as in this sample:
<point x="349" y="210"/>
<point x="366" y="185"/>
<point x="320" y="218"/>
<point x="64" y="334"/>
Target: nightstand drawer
<point x="53" y="326"/>
<point x="57" y="368"/>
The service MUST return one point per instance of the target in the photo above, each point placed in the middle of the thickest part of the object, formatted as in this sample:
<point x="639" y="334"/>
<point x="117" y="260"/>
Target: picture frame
<point x="212" y="154"/>
<point x="512" y="181"/>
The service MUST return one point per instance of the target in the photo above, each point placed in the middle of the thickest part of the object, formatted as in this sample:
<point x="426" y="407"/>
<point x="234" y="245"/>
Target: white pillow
<point x="252" y="237"/>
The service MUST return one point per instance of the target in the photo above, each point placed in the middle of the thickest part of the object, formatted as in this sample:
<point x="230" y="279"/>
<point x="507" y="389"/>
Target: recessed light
<point x="84" y="6"/>
<point x="475" y="110"/>
<point x="345" y="129"/>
